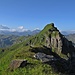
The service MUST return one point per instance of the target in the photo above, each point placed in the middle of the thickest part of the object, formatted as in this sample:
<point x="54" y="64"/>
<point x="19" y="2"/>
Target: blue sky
<point x="37" y="13"/>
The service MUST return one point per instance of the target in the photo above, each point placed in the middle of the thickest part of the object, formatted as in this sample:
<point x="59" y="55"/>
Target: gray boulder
<point x="18" y="63"/>
<point x="44" y="58"/>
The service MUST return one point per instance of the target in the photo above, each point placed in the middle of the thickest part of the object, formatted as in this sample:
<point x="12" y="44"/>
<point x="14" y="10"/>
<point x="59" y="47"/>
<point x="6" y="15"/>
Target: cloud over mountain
<point x="20" y="27"/>
<point x="4" y="27"/>
<point x="17" y="31"/>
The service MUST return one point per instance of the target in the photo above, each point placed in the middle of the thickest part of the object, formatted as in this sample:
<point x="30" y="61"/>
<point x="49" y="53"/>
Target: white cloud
<point x="21" y="27"/>
<point x="36" y="29"/>
<point x="12" y="30"/>
<point x="18" y="29"/>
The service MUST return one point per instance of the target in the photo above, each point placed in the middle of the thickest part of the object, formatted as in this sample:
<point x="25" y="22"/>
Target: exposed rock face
<point x="54" y="42"/>
<point x="17" y="63"/>
<point x="44" y="58"/>
<point x="58" y="43"/>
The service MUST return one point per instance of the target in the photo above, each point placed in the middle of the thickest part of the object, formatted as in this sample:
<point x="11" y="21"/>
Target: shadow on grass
<point x="62" y="66"/>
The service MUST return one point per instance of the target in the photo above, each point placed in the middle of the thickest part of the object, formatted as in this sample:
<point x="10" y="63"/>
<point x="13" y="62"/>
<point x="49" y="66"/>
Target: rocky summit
<point x="51" y="38"/>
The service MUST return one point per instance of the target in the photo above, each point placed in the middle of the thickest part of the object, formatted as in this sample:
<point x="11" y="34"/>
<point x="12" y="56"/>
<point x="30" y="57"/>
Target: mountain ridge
<point x="68" y="32"/>
<point x="6" y="30"/>
<point x="49" y="42"/>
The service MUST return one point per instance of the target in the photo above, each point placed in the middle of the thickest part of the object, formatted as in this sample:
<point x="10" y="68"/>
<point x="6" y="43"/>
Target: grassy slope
<point x="21" y="51"/>
<point x="8" y="40"/>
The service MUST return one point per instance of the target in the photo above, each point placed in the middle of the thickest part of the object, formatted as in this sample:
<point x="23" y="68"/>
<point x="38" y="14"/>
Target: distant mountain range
<point x="68" y="32"/>
<point x="3" y="27"/>
<point x="20" y="31"/>
<point x="70" y="37"/>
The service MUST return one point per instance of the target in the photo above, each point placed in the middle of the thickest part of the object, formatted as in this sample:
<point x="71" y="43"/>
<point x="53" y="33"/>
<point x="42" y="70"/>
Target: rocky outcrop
<point x="44" y="57"/>
<point x="17" y="63"/>
<point x="58" y="43"/>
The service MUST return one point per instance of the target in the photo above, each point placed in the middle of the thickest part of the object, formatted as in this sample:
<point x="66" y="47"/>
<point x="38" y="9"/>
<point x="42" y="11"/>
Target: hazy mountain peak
<point x="3" y="27"/>
<point x="68" y="32"/>
<point x="20" y="27"/>
<point x="17" y="31"/>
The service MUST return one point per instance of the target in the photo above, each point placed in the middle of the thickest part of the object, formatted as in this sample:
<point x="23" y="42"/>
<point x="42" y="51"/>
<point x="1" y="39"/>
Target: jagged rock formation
<point x="57" y="42"/>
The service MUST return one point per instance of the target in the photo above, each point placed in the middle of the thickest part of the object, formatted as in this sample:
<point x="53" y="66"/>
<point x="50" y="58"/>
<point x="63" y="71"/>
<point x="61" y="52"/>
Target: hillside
<point x="68" y="32"/>
<point x="70" y="37"/>
<point x="7" y="40"/>
<point x="47" y="53"/>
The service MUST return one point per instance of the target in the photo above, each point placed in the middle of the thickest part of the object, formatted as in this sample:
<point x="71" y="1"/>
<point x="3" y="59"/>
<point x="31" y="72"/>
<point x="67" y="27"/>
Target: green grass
<point x="22" y="51"/>
<point x="19" y="51"/>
